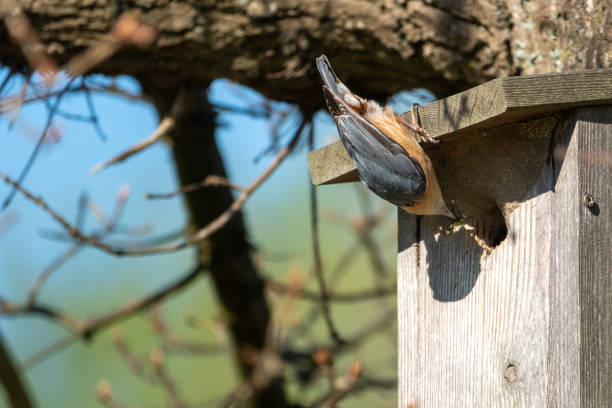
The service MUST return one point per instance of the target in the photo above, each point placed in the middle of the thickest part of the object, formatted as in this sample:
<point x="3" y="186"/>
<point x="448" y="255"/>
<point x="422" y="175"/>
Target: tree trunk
<point x="379" y="46"/>
<point x="14" y="387"/>
<point x="237" y="283"/>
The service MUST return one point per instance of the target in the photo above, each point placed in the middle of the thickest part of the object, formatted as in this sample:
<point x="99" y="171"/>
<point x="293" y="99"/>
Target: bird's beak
<point x="330" y="79"/>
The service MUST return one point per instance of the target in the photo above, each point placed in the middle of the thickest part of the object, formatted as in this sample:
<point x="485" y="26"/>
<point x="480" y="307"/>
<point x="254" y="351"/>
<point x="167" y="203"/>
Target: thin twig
<point x="128" y="29"/>
<point x="134" y="362"/>
<point x="303" y="293"/>
<point x="157" y="359"/>
<point x="92" y="112"/>
<point x="173" y="344"/>
<point x="6" y="79"/>
<point x="200" y="235"/>
<point x="25" y="36"/>
<point x="9" y="103"/>
<point x="209" y="181"/>
<point x="41" y="139"/>
<point x="164" y="127"/>
<point x="20" y="97"/>
<point x="340" y="268"/>
<point x="48" y="351"/>
<point x="94" y="325"/>
<point x="362" y="384"/>
<point x="52" y="267"/>
<point x="75" y="248"/>
<point x="316" y="250"/>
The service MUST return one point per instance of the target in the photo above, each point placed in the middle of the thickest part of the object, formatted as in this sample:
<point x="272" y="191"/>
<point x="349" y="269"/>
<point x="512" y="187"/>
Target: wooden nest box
<point x="514" y="307"/>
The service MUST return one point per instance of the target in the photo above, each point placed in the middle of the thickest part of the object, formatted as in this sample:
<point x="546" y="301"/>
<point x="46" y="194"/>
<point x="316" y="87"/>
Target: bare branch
<point x="92" y="111"/>
<point x="20" y="98"/>
<point x="9" y="378"/>
<point x="11" y="102"/>
<point x="128" y="29"/>
<point x="6" y="79"/>
<point x="316" y="250"/>
<point x="164" y="127"/>
<point x="172" y="343"/>
<point x="353" y="386"/>
<point x="32" y="158"/>
<point x="303" y="293"/>
<point x="92" y="326"/>
<point x="48" y="351"/>
<point x="210" y="181"/>
<point x="25" y="36"/>
<point x="157" y="359"/>
<point x="200" y="235"/>
<point x="73" y="250"/>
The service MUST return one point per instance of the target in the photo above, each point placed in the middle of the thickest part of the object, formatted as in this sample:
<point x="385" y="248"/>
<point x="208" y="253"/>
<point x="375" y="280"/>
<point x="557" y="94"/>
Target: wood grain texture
<point x="497" y="102"/>
<point x="594" y="132"/>
<point x="481" y="331"/>
<point x="530" y="324"/>
<point x="331" y="165"/>
<point x="408" y="341"/>
<point x="564" y="339"/>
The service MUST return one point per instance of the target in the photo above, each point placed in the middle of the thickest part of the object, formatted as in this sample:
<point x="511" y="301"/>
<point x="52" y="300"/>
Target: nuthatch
<point x="390" y="161"/>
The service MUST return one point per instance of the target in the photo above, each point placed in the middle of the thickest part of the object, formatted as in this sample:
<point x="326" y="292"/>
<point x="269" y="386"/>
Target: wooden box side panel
<point x="594" y="134"/>
<point x="529" y="325"/>
<point x="474" y="327"/>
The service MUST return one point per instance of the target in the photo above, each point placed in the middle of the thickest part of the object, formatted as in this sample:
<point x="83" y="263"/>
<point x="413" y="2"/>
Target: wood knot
<point x="511" y="373"/>
<point x="590" y="203"/>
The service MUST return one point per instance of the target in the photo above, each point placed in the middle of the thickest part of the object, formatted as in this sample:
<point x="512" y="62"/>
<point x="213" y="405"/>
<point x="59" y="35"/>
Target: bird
<point x="390" y="161"/>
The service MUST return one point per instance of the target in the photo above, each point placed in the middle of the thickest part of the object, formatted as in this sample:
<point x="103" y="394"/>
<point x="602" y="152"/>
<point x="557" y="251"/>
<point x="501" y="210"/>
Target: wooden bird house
<point x="513" y="307"/>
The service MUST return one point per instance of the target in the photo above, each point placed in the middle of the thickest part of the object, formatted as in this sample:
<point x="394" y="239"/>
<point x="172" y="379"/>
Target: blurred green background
<point x="93" y="283"/>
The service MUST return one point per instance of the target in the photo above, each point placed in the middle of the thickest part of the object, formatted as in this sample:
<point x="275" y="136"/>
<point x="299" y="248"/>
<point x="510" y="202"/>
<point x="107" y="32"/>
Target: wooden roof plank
<point x="500" y="101"/>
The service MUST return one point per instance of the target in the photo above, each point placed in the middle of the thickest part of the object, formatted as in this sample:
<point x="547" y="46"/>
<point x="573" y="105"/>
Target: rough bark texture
<point x="379" y="46"/>
<point x="237" y="283"/>
<point x="14" y="387"/>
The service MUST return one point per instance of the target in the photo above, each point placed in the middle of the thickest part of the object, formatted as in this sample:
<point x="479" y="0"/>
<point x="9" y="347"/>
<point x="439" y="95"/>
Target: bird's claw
<point x="416" y="128"/>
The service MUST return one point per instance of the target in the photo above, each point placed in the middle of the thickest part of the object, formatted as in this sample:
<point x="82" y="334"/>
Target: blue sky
<point x="94" y="282"/>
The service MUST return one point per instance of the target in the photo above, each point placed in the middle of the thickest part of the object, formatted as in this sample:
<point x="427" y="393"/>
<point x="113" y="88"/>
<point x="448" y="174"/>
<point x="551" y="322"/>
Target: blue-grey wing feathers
<point x="384" y="166"/>
<point x="386" y="169"/>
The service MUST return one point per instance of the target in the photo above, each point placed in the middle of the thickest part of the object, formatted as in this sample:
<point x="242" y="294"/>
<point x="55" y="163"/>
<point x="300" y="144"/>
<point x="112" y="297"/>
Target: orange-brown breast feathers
<point x="386" y="120"/>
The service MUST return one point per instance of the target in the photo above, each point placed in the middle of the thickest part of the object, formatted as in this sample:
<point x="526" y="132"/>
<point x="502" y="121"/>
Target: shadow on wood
<point x="530" y="323"/>
<point x="494" y="142"/>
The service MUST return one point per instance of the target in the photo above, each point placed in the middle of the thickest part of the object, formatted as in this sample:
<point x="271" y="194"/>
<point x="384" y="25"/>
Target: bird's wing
<point x="384" y="166"/>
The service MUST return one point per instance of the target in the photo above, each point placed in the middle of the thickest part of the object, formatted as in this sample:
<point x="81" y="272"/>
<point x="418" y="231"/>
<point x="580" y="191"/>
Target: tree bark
<point x="380" y="46"/>
<point x="14" y="387"/>
<point x="237" y="282"/>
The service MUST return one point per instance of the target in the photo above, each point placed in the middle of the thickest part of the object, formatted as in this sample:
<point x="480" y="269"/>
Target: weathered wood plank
<point x="503" y="100"/>
<point x="481" y="325"/>
<point x="407" y="317"/>
<point x="563" y="367"/>
<point x="529" y="325"/>
<point x="594" y="131"/>
<point x="322" y="171"/>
